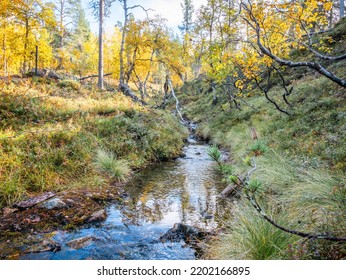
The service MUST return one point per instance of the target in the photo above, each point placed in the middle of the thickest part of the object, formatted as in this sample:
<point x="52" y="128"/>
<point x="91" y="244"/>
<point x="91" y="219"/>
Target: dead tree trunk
<point x="342" y="8"/>
<point x="100" y="70"/>
<point x="169" y="83"/>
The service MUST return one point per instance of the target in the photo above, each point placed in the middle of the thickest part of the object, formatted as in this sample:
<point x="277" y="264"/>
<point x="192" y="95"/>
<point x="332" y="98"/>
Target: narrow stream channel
<point x="181" y="191"/>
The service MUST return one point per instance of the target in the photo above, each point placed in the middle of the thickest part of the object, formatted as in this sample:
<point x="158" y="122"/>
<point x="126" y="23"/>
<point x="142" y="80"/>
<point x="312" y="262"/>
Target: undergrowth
<point x="300" y="175"/>
<point x="52" y="137"/>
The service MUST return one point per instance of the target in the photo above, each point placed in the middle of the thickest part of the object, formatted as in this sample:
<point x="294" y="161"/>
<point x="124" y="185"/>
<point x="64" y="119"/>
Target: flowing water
<point x="181" y="191"/>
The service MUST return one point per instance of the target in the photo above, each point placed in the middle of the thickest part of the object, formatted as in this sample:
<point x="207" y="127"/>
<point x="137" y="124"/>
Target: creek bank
<point x="49" y="212"/>
<point x="138" y="213"/>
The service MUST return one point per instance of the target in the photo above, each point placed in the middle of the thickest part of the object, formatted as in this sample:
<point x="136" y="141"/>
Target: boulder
<point x="181" y="232"/>
<point x="54" y="203"/>
<point x="80" y="242"/>
<point x="98" y="216"/>
<point x="47" y="245"/>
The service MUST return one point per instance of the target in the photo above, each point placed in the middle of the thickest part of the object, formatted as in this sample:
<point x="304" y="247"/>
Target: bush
<point x="69" y="84"/>
<point x="259" y="148"/>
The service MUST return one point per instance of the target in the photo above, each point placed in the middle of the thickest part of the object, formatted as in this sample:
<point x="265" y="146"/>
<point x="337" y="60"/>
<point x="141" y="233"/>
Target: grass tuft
<point x="116" y="168"/>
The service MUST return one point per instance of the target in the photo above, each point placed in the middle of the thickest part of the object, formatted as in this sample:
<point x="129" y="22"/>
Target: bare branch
<point x="265" y="91"/>
<point x="287" y="91"/>
<point x="312" y="65"/>
<point x="258" y="208"/>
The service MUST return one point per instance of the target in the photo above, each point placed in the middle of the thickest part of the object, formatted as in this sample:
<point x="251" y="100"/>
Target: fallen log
<point x="93" y="76"/>
<point x="229" y="191"/>
<point x="125" y="89"/>
<point x="33" y="201"/>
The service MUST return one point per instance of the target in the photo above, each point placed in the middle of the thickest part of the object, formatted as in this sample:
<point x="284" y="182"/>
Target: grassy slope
<point x="60" y="136"/>
<point x="303" y="172"/>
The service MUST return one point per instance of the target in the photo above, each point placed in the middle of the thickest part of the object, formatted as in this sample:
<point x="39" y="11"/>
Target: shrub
<point x="226" y="169"/>
<point x="259" y="148"/>
<point x="69" y="84"/>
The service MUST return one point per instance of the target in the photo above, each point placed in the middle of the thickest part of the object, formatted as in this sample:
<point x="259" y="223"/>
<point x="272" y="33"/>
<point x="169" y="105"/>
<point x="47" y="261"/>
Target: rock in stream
<point x="181" y="232"/>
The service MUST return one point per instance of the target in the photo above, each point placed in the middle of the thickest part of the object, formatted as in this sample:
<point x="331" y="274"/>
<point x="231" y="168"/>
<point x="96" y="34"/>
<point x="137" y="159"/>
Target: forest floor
<point x="67" y="150"/>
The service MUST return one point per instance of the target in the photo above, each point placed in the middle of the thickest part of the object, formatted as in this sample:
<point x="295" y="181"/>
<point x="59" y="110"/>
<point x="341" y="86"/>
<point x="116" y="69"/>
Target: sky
<point x="169" y="9"/>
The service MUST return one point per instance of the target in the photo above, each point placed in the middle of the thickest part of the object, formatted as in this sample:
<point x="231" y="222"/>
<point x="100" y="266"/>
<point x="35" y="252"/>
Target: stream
<point x="180" y="191"/>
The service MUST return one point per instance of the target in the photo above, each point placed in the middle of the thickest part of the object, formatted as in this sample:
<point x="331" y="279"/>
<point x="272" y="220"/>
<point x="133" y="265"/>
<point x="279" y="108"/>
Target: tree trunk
<point x="25" y="62"/>
<point x="121" y="54"/>
<point x="100" y="70"/>
<point x="36" y="60"/>
<point x="342" y="8"/>
<point x="169" y="82"/>
<point x="61" y="35"/>
<point x="4" y="54"/>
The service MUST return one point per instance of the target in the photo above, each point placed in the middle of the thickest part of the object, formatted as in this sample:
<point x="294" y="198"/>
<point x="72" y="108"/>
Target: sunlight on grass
<point x="116" y="168"/>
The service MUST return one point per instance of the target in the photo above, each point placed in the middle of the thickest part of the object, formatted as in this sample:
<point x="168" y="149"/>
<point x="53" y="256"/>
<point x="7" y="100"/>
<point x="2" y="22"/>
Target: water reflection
<point x="181" y="191"/>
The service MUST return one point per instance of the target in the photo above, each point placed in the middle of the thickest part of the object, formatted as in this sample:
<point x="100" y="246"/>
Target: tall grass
<point x="107" y="162"/>
<point x="296" y="197"/>
<point x="251" y="237"/>
<point x="50" y="134"/>
<point x="300" y="164"/>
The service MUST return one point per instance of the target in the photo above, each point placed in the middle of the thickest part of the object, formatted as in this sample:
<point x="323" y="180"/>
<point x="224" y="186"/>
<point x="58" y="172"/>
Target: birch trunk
<point x="100" y="72"/>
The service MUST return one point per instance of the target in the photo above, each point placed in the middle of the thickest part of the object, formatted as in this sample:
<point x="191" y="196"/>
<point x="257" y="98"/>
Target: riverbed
<point x="181" y="191"/>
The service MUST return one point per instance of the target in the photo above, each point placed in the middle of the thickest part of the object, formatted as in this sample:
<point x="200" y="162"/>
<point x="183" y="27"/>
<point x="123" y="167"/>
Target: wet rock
<point x="201" y="246"/>
<point x="8" y="210"/>
<point x="70" y="202"/>
<point x="98" y="216"/>
<point x="124" y="195"/>
<point x="191" y="140"/>
<point x="32" y="219"/>
<point x="100" y="197"/>
<point x="80" y="242"/>
<point x="181" y="232"/>
<point x="54" y="203"/>
<point x="34" y="200"/>
<point x="47" y="245"/>
<point x="206" y="215"/>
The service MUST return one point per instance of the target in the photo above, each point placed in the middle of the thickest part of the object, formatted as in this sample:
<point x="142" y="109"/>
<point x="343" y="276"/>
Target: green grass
<point x="251" y="237"/>
<point x="50" y="134"/>
<point x="301" y="163"/>
<point x="108" y="163"/>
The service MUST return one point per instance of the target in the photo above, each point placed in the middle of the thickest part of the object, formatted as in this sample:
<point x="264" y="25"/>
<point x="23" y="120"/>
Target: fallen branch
<point x="258" y="208"/>
<point x="93" y="76"/>
<point x="125" y="89"/>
